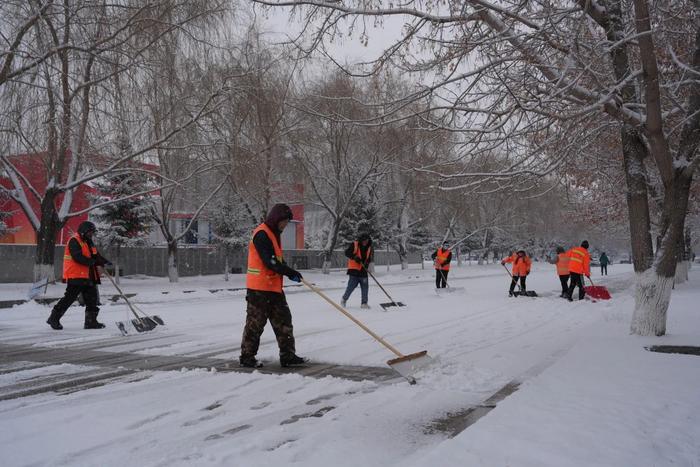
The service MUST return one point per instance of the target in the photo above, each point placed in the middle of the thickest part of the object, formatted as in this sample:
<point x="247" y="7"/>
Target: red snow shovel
<point x="596" y="291"/>
<point x="405" y="365"/>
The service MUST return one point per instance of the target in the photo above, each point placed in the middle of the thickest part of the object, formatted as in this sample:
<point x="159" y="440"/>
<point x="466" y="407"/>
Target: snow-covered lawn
<point x="590" y="393"/>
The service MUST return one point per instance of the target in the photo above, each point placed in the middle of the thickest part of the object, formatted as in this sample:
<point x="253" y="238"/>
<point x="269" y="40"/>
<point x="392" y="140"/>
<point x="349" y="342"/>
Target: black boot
<point x="292" y="360"/>
<point x="249" y="362"/>
<point x="54" y="320"/>
<point x="91" y="322"/>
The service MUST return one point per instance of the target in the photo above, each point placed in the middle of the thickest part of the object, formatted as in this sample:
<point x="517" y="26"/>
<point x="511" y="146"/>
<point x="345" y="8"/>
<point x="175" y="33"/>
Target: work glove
<point x="294" y="276"/>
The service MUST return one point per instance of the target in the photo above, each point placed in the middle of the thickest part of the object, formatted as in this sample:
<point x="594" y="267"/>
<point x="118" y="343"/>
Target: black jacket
<point x="366" y="259"/>
<point x="92" y="261"/>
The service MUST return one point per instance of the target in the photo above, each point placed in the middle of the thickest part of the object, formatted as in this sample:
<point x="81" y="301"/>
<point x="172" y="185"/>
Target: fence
<point x="17" y="261"/>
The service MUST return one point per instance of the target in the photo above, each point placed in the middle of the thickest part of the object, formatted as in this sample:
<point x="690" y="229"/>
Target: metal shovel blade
<point x="157" y="319"/>
<point x="390" y="304"/>
<point x="447" y="290"/>
<point x="144" y="324"/>
<point x="408" y="365"/>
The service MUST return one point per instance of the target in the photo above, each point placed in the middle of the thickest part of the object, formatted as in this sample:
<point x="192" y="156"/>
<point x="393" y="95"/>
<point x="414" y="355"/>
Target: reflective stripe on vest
<point x="563" y="264"/>
<point x="441" y="258"/>
<point x="259" y="276"/>
<point x="71" y="268"/>
<point x="577" y="256"/>
<point x="352" y="264"/>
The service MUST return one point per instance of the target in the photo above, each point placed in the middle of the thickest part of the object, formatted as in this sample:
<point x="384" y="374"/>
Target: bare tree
<point x="539" y="62"/>
<point x="59" y="102"/>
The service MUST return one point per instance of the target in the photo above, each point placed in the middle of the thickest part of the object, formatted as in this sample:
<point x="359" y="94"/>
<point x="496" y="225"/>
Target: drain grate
<point x="681" y="349"/>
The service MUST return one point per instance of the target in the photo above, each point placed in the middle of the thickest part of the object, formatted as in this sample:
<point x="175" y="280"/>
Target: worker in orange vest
<point x="442" y="258"/>
<point x="80" y="272"/>
<point x="360" y="255"/>
<point x="521" y="268"/>
<point x="265" y="297"/>
<point x="562" y="262"/>
<point x="579" y="265"/>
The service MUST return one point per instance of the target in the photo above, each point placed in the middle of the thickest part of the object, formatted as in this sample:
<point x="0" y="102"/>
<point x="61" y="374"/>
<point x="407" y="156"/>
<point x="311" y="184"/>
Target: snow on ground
<point x="590" y="394"/>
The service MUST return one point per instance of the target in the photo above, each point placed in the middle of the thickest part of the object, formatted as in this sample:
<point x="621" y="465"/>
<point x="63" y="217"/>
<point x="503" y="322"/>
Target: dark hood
<point x="278" y="213"/>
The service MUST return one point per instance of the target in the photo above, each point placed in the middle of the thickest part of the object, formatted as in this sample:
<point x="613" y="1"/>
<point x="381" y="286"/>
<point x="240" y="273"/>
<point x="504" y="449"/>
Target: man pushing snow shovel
<point x="80" y="271"/>
<point x="266" y="300"/>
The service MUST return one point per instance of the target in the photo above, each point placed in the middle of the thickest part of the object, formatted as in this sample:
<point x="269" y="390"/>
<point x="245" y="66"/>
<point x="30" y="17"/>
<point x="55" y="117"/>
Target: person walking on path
<point x="562" y="262"/>
<point x="265" y="297"/>
<point x="360" y="255"/>
<point x="521" y="268"/>
<point x="604" y="261"/>
<point x="579" y="265"/>
<point x="81" y="261"/>
<point x="442" y="258"/>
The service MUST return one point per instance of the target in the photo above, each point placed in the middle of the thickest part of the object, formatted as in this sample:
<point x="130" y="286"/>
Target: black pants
<point x="603" y="269"/>
<point x="576" y="281"/>
<point x="515" y="281"/>
<point x="564" y="279"/>
<point x="89" y="293"/>
<point x="440" y="278"/>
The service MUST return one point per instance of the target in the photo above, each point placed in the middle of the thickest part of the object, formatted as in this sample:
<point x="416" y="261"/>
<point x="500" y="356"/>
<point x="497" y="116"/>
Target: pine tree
<point x="363" y="217"/>
<point x="125" y="223"/>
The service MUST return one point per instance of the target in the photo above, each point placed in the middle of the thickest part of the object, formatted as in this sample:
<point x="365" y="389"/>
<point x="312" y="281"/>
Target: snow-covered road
<point x="481" y="340"/>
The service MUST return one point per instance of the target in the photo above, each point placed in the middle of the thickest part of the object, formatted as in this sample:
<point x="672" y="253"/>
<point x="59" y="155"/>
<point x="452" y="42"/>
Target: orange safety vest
<point x="71" y="268"/>
<point x="562" y="264"/>
<point x="521" y="267"/>
<point x="441" y="258"/>
<point x="579" y="260"/>
<point x="352" y="264"/>
<point x="259" y="276"/>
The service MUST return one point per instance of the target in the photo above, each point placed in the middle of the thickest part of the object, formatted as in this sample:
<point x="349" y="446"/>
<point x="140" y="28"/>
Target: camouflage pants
<point x="263" y="306"/>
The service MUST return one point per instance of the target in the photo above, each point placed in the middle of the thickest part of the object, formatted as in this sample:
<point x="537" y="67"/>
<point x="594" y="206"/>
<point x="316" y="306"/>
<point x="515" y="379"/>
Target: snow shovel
<point x="388" y="304"/>
<point x="525" y="293"/>
<point x="596" y="291"/>
<point x="405" y="365"/>
<point x="140" y="324"/>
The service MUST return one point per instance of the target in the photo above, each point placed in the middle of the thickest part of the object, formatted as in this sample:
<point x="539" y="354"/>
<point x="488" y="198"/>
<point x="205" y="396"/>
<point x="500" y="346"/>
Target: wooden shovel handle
<point x="355" y="320"/>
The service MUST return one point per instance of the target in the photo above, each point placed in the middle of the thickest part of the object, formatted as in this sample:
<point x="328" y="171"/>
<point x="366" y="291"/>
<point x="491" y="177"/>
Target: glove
<point x="503" y="263"/>
<point x="358" y="259"/>
<point x="294" y="276"/>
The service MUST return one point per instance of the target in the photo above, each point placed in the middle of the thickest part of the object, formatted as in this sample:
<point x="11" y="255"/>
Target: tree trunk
<point x="46" y="239"/>
<point x="117" y="272"/>
<point x="330" y="246"/>
<point x="226" y="268"/>
<point x="172" y="262"/>
<point x="634" y="152"/>
<point x="653" y="293"/>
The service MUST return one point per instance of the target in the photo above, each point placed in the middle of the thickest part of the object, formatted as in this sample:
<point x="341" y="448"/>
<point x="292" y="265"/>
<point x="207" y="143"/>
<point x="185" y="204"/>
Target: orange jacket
<point x="562" y="264"/>
<point x="259" y="276"/>
<point x="579" y="260"/>
<point x="357" y="253"/>
<point x="441" y="260"/>
<point x="521" y="266"/>
<point x="71" y="268"/>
